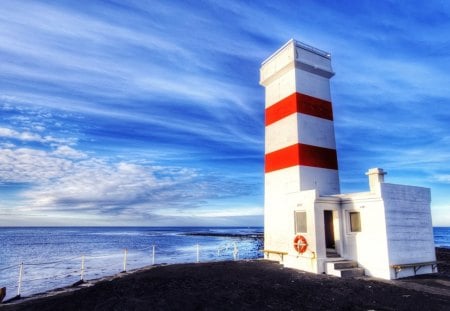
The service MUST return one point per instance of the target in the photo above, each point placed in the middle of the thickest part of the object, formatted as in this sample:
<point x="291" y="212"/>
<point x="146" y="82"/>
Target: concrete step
<point x="345" y="264"/>
<point x="332" y="255"/>
<point x="344" y="268"/>
<point x="351" y="272"/>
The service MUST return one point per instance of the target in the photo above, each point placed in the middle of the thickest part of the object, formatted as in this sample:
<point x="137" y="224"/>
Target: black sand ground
<point x="249" y="285"/>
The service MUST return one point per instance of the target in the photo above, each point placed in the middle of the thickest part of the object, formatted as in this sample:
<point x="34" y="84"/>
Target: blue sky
<point x="150" y="112"/>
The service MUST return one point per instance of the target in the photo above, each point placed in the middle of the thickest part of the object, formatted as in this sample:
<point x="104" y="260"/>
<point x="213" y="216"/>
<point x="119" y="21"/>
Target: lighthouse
<point x="385" y="232"/>
<point x="299" y="142"/>
<point x="300" y="146"/>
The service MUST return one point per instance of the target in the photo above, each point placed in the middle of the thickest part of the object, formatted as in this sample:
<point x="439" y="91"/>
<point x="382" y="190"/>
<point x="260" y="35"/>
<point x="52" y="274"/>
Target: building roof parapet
<point x="301" y="45"/>
<point x="312" y="49"/>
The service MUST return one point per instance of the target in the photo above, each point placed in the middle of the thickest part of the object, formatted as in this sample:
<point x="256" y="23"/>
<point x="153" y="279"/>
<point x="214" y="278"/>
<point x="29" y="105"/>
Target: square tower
<point x="300" y="146"/>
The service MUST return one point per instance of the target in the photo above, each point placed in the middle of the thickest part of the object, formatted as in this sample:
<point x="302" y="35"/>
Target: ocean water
<point x="52" y="257"/>
<point x="441" y="236"/>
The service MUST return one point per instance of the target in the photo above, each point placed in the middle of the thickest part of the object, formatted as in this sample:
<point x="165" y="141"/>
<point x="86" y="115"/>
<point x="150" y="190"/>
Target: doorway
<point x="329" y="231"/>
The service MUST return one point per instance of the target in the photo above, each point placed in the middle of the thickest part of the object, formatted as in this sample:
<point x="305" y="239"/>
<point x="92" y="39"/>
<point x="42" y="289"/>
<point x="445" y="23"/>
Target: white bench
<point x="268" y="252"/>
<point x="416" y="266"/>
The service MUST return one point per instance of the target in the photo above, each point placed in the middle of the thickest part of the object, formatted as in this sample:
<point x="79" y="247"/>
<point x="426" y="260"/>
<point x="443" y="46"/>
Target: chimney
<point x="376" y="177"/>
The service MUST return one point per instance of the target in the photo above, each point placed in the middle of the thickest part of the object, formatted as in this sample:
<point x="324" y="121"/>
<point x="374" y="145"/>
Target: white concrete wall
<point x="276" y="231"/>
<point x="409" y="228"/>
<point x="297" y="80"/>
<point x="280" y="88"/>
<point x="396" y="229"/>
<point x="277" y="63"/>
<point x="280" y="229"/>
<point x="326" y="181"/>
<point x="282" y="133"/>
<point x="281" y="182"/>
<point x="302" y="201"/>
<point x="300" y="178"/>
<point x="316" y="131"/>
<point x="277" y="214"/>
<point x="279" y="226"/>
<point x="299" y="127"/>
<point x="368" y="247"/>
<point x="312" y="85"/>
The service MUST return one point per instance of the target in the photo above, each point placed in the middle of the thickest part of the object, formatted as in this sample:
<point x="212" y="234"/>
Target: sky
<point x="149" y="113"/>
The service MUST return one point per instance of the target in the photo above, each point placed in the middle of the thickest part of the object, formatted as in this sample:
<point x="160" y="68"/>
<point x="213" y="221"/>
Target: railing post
<point x="19" y="286"/>
<point x="153" y="254"/>
<point x="125" y="260"/>
<point x="198" y="253"/>
<point x="82" y="268"/>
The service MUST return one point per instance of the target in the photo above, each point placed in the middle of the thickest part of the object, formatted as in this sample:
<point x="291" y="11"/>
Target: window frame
<point x="296" y="224"/>
<point x="351" y="229"/>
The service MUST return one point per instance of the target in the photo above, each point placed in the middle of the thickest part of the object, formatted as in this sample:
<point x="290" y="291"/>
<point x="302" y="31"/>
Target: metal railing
<point x="26" y="276"/>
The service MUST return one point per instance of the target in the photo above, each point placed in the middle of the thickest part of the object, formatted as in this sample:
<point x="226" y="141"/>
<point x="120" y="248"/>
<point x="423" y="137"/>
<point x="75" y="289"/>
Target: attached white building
<point x="385" y="232"/>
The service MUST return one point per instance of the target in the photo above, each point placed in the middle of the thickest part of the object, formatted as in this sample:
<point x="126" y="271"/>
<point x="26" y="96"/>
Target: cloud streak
<point x="66" y="181"/>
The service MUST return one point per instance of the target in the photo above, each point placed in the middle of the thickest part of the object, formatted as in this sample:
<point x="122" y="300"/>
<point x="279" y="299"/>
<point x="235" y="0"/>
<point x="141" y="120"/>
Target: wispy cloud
<point x="68" y="152"/>
<point x="24" y="165"/>
<point x="65" y="181"/>
<point x="29" y="136"/>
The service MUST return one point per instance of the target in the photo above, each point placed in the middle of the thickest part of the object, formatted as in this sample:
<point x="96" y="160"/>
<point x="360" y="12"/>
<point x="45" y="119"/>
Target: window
<point x="300" y="222"/>
<point x="355" y="222"/>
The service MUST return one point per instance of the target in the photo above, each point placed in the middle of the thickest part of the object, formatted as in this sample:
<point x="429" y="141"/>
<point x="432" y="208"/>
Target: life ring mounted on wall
<point x="300" y="244"/>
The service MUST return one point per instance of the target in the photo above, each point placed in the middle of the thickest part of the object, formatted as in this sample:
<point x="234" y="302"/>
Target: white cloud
<point x="27" y="136"/>
<point x="25" y="165"/>
<point x="115" y="188"/>
<point x="68" y="152"/>
<point x="440" y="215"/>
<point x="224" y="211"/>
<point x="443" y="178"/>
<point x="67" y="180"/>
<point x="7" y="145"/>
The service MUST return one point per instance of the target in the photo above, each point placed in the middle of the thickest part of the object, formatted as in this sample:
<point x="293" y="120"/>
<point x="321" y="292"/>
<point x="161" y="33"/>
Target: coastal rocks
<point x="2" y="293"/>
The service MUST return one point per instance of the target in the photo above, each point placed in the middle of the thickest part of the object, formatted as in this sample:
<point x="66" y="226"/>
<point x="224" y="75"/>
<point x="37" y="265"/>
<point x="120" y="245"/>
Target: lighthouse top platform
<point x="299" y="55"/>
<point x="300" y="45"/>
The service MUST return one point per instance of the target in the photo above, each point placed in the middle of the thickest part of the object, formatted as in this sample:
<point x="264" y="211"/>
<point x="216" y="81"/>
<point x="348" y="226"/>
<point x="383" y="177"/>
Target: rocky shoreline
<point x="230" y="235"/>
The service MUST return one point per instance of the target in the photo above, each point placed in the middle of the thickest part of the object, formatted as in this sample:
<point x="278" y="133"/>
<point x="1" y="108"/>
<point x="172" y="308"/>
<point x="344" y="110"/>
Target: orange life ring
<point x="300" y="244"/>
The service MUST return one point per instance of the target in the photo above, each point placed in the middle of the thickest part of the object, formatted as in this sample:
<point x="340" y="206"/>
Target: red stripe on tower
<point x="301" y="154"/>
<point x="302" y="103"/>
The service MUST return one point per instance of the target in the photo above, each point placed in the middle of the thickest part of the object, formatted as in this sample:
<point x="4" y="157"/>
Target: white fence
<point x="33" y="277"/>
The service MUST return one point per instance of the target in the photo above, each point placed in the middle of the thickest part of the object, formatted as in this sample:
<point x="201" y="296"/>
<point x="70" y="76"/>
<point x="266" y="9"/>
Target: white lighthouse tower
<point x="385" y="232"/>
<point x="300" y="144"/>
<point x="300" y="147"/>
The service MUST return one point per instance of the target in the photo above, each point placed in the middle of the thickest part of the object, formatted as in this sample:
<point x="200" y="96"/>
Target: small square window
<point x="300" y="222"/>
<point x="355" y="222"/>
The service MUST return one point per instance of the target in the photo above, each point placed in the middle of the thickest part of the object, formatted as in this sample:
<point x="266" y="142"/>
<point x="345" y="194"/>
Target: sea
<point x="39" y="259"/>
<point x="46" y="258"/>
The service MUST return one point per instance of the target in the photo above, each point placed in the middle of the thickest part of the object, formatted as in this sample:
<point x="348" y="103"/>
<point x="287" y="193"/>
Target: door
<point x="329" y="230"/>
